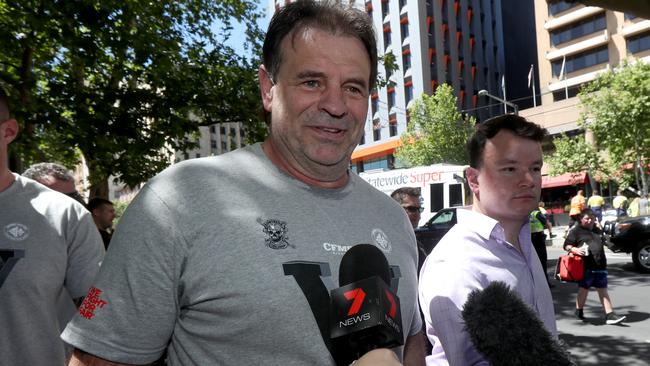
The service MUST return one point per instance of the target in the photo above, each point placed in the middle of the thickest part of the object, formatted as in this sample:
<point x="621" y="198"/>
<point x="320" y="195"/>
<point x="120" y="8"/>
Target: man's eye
<point x="311" y="83"/>
<point x="508" y="169"/>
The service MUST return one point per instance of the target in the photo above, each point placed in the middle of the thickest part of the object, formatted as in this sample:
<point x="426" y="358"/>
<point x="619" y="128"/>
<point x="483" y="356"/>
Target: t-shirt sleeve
<point x="85" y="253"/>
<point x="129" y="314"/>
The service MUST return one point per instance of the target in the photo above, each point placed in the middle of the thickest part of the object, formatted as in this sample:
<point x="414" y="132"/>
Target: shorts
<point x="594" y="278"/>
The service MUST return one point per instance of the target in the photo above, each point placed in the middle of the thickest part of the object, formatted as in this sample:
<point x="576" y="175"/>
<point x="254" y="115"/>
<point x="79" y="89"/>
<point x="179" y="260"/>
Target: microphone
<point x="364" y="312"/>
<point x="507" y="331"/>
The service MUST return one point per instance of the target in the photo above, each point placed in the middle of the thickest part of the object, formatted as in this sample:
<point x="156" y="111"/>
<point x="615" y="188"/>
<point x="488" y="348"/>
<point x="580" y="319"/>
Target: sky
<point x="238" y="37"/>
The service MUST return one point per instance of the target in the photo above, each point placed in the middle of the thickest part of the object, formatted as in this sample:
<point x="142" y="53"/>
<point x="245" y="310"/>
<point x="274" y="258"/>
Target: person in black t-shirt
<point x="585" y="240"/>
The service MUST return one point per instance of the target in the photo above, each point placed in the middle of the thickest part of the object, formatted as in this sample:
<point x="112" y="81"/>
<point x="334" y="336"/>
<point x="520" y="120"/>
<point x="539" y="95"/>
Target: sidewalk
<point x="558" y="240"/>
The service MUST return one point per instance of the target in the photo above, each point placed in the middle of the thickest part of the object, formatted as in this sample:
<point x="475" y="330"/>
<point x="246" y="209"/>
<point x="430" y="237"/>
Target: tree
<point x="617" y="111"/>
<point x="575" y="155"/>
<point x="123" y="81"/>
<point x="437" y="132"/>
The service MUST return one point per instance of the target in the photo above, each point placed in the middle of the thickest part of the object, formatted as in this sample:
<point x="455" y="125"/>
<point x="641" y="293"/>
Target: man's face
<point x="412" y="206"/>
<point x="104" y="216"/>
<point x="318" y="102"/>
<point x="508" y="184"/>
<point x="63" y="186"/>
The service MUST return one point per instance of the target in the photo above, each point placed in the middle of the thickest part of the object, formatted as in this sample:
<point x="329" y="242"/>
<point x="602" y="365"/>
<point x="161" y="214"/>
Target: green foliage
<point x="120" y="207"/>
<point x="617" y="110"/>
<point x="124" y="81"/>
<point x="437" y="131"/>
<point x="574" y="155"/>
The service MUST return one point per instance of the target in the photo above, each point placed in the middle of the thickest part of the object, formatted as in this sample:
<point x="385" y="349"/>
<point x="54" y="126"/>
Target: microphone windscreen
<point x="507" y="331"/>
<point x="363" y="261"/>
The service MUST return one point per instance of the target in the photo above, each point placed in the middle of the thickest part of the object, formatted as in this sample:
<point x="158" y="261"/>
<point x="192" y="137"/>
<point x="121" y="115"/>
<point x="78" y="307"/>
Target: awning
<point x="566" y="179"/>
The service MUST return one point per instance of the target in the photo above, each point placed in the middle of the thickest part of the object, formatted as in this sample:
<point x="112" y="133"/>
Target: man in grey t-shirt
<point x="229" y="260"/>
<point x="50" y="251"/>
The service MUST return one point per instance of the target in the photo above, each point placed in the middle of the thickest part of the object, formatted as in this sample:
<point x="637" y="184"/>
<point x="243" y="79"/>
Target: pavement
<point x="558" y="239"/>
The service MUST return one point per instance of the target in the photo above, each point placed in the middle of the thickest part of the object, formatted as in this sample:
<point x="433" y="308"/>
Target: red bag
<point x="570" y="268"/>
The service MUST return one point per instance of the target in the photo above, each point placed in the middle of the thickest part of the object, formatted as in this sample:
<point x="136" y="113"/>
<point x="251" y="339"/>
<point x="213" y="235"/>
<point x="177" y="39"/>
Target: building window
<point x="213" y="129"/>
<point x="406" y="61"/>
<point x="408" y="92"/>
<point x="197" y="155"/>
<point x="577" y="30"/>
<point x="374" y="104"/>
<point x="638" y="43"/>
<point x="376" y="132"/>
<point x="224" y="146"/>
<point x="571" y="92"/>
<point x="186" y="156"/>
<point x="391" y="99"/>
<point x="405" y="29"/>
<point x="402" y="3"/>
<point x="222" y="129"/>
<point x="581" y="61"/>
<point x="560" y="6"/>
<point x="629" y="16"/>
<point x="385" y="9"/>
<point x="386" y="39"/>
<point x="381" y="163"/>
<point x="392" y="128"/>
<point x="213" y="144"/>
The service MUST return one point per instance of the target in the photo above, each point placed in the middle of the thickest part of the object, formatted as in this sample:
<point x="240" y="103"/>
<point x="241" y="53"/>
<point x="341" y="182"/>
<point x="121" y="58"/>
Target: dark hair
<point x="488" y="129"/>
<point x="400" y="193"/>
<point x="96" y="202"/>
<point x="4" y="105"/>
<point x="41" y="170"/>
<point x="326" y="16"/>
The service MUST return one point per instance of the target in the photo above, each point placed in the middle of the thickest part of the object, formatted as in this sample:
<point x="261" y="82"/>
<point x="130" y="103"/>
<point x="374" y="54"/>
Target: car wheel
<point x="641" y="256"/>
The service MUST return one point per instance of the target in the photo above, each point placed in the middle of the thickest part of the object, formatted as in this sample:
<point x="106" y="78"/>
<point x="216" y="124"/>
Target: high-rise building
<point x="458" y="42"/>
<point x="575" y="44"/>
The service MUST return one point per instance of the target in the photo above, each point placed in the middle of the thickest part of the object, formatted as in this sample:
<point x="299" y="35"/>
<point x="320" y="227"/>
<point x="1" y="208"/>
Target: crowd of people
<point x="211" y="264"/>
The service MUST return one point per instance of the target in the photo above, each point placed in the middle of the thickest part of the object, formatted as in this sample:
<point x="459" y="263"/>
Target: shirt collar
<point x="487" y="227"/>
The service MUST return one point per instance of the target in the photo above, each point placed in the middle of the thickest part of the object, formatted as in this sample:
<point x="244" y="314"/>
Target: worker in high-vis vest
<point x="538" y="223"/>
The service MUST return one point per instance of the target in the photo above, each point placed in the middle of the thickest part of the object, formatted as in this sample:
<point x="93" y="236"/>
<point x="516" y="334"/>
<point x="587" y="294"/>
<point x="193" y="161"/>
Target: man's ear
<point x="9" y="130"/>
<point x="266" y="87"/>
<point x="472" y="180"/>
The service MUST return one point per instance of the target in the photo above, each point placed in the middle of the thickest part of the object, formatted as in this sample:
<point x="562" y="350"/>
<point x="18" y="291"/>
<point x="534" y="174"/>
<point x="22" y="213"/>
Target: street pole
<point x="484" y="93"/>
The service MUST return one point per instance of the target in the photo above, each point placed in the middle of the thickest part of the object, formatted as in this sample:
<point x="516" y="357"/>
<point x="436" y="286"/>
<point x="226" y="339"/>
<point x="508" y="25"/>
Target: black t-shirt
<point x="579" y="235"/>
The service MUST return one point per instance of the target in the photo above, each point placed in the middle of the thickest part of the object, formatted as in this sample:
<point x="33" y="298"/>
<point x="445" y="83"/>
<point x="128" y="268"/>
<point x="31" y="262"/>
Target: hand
<point x="578" y="251"/>
<point x="379" y="357"/>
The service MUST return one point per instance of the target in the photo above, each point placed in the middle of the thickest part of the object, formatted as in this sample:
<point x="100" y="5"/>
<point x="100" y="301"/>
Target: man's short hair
<point x="400" y="194"/>
<point x="40" y="171"/>
<point x="488" y="129"/>
<point x="325" y="15"/>
<point x="97" y="202"/>
<point x="4" y="105"/>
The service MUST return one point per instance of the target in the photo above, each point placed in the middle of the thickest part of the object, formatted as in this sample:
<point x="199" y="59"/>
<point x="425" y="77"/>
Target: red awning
<point x="566" y="179"/>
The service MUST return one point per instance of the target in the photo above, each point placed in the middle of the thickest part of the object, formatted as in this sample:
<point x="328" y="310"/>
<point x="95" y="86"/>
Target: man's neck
<point x="281" y="163"/>
<point x="6" y="179"/>
<point x="511" y="228"/>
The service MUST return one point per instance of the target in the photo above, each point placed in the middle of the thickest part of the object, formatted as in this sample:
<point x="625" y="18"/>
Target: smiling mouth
<point x="330" y="130"/>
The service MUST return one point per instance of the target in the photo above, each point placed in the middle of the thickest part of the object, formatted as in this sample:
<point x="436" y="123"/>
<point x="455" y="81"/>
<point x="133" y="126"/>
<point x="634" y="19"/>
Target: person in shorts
<point x="585" y="240"/>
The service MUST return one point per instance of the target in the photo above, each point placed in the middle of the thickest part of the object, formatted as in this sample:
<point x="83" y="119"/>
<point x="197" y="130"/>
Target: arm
<point x="81" y="358"/>
<point x="414" y="350"/>
<point x="378" y="357"/>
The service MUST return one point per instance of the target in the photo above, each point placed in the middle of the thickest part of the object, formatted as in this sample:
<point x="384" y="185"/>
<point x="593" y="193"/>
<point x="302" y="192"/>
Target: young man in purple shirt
<point x="491" y="242"/>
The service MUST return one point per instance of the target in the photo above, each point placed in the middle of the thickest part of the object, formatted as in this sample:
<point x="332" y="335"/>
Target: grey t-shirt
<point x="50" y="250"/>
<point x="213" y="256"/>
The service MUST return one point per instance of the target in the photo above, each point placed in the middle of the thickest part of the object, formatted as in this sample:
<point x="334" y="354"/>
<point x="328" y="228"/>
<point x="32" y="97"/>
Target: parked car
<point x="429" y="234"/>
<point x="630" y="235"/>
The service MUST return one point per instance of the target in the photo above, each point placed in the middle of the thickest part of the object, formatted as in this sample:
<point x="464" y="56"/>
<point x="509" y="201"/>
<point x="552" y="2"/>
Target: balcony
<point x="598" y="39"/>
<point x="571" y="17"/>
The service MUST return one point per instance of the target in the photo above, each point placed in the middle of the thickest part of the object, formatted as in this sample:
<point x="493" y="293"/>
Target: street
<point x="592" y="342"/>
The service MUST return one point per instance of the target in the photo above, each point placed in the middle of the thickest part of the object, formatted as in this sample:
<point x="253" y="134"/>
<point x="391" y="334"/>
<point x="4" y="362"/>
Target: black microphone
<point x="364" y="312"/>
<point x="507" y="331"/>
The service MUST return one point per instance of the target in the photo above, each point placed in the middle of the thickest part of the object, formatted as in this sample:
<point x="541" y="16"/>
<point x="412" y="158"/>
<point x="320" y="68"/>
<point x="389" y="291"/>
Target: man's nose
<point x="333" y="102"/>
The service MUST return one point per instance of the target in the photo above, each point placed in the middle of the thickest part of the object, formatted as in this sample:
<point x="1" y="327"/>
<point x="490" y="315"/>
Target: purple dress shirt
<point x="470" y="256"/>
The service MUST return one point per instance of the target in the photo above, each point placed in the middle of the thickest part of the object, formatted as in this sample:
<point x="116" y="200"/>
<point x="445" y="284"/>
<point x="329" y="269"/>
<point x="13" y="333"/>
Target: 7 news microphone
<point x="364" y="312"/>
